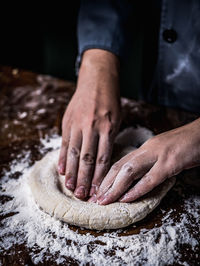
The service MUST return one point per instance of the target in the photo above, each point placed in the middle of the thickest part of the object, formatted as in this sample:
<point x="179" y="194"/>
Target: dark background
<point x="43" y="39"/>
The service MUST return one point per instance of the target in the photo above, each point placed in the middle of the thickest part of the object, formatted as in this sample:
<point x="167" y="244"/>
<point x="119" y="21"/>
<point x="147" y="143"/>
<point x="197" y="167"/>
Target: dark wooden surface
<point x="32" y="106"/>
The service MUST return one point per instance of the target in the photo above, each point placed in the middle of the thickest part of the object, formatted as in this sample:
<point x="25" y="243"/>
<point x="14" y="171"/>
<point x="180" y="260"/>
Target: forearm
<point x="101" y="60"/>
<point x="99" y="72"/>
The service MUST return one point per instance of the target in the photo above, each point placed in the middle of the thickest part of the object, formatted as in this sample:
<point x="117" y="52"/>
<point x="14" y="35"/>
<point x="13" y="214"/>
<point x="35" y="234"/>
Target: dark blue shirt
<point x="104" y="24"/>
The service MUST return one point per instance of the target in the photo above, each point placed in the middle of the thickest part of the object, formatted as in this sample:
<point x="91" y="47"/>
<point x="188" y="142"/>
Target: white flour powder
<point x="50" y="238"/>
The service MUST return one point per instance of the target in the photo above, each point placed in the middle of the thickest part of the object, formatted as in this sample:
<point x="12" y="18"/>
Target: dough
<point x="53" y="197"/>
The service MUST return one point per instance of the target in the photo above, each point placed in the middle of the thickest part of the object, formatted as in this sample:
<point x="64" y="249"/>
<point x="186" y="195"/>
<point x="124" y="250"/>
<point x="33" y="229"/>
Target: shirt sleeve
<point x="103" y="24"/>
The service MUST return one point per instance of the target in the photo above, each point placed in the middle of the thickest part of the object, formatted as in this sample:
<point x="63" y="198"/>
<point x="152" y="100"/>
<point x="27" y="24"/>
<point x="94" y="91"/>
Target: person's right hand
<point x="90" y="124"/>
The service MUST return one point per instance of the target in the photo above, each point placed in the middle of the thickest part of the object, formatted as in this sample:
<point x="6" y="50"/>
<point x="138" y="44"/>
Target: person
<point x="92" y="118"/>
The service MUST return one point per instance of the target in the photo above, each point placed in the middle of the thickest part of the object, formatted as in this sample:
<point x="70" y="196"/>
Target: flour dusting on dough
<point x="55" y="240"/>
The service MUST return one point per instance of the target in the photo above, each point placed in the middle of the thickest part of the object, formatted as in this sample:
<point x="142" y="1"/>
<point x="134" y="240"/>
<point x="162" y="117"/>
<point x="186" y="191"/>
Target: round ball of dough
<point x="49" y="191"/>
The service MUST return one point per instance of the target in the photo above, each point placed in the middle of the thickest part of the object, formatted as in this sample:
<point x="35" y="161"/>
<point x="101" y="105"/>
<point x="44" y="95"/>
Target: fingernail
<point x="80" y="192"/>
<point x="102" y="199"/>
<point x="93" y="190"/>
<point x="70" y="185"/>
<point x="93" y="199"/>
<point x="123" y="198"/>
<point x="61" y="169"/>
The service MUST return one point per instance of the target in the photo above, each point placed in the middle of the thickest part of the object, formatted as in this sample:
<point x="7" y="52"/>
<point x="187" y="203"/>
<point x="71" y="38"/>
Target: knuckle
<point x="171" y="163"/>
<point x="147" y="143"/>
<point x="127" y="168"/>
<point x="172" y="168"/>
<point x="93" y="123"/>
<point x="111" y="128"/>
<point x="74" y="152"/>
<point x="152" y="141"/>
<point x="88" y="159"/>
<point x="103" y="160"/>
<point x="116" y="166"/>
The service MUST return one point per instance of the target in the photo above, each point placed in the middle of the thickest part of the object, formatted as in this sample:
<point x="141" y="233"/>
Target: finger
<point x="93" y="198"/>
<point x="132" y="170"/>
<point x="102" y="162"/>
<point x="73" y="155"/>
<point x="63" y="154"/>
<point x="152" y="179"/>
<point x="110" y="177"/>
<point x="86" y="164"/>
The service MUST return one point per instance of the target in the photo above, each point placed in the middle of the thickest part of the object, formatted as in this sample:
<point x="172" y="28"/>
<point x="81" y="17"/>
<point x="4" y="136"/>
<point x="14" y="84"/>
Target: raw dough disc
<point x="53" y="197"/>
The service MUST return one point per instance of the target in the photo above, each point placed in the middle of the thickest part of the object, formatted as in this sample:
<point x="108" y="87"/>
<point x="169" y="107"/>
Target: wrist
<point x="99" y="60"/>
<point x="99" y="73"/>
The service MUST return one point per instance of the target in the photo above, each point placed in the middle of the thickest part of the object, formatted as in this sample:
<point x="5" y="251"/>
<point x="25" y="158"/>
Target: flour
<point x="47" y="238"/>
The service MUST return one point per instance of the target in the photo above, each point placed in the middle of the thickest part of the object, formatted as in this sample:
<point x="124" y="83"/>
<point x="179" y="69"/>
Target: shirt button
<point x="170" y="35"/>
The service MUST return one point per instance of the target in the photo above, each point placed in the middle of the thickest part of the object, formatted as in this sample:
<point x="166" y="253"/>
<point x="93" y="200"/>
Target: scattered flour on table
<point x="51" y="238"/>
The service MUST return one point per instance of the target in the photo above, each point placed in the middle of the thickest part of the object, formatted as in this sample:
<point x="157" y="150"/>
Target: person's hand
<point x="90" y="124"/>
<point x="159" y="158"/>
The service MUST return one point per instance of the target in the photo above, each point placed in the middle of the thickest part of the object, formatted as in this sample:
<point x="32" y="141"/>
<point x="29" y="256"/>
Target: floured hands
<point x="90" y="124"/>
<point x="161" y="157"/>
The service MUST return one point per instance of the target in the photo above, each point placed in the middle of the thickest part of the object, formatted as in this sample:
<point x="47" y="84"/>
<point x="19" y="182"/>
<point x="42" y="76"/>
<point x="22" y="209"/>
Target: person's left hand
<point x="159" y="158"/>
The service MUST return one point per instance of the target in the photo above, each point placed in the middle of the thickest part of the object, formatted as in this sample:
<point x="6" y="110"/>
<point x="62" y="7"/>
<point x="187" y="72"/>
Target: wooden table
<point x="23" y="98"/>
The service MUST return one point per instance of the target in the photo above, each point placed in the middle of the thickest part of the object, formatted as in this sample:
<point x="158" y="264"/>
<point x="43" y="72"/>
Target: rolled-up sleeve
<point x="103" y="24"/>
